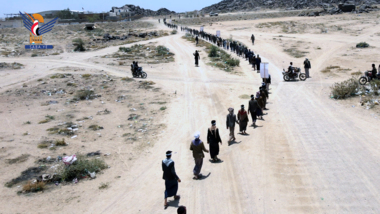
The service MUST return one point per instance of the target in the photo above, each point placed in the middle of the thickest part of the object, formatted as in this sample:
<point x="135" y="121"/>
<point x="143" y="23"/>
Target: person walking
<point x="170" y="177"/>
<point x="258" y="61"/>
<point x="196" y="40"/>
<point x="253" y="39"/>
<point x="269" y="81"/>
<point x="307" y="66"/>
<point x="254" y="62"/>
<point x="213" y="139"/>
<point x="196" y="57"/>
<point x="260" y="102"/>
<point x="252" y="108"/>
<point x="231" y="120"/>
<point x="265" y="95"/>
<point x="243" y="120"/>
<point x="198" y="148"/>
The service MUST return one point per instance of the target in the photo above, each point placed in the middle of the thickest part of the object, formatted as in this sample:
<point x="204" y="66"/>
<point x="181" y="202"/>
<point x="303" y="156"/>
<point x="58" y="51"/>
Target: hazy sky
<point x="13" y="6"/>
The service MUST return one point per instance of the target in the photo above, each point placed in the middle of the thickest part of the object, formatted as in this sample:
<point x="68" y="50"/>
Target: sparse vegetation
<point x="84" y="94"/>
<point x="28" y="122"/>
<point x="79" y="44"/>
<point x="174" y="32"/>
<point x="81" y="168"/>
<point x="362" y="45"/>
<point x="33" y="187"/>
<point x="345" y="89"/>
<point x="356" y="73"/>
<point x="95" y="127"/>
<point x="163" y="108"/>
<point x="19" y="159"/>
<point x="294" y="52"/>
<point x="86" y="76"/>
<point x="104" y="185"/>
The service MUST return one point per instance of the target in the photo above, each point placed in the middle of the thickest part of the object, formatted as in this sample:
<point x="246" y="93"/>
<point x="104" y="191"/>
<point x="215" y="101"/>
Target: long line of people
<point x="256" y="107"/>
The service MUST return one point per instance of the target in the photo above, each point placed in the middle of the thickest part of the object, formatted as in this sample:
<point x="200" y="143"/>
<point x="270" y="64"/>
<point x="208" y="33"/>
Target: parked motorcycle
<point x="367" y="78"/>
<point x="295" y="75"/>
<point x="139" y="73"/>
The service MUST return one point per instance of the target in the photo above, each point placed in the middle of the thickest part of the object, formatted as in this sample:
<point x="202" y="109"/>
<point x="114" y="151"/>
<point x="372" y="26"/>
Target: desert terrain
<point x="311" y="154"/>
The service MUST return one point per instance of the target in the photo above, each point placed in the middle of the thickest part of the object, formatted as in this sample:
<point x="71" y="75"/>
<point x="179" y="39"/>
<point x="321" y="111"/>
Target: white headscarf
<point x="197" y="135"/>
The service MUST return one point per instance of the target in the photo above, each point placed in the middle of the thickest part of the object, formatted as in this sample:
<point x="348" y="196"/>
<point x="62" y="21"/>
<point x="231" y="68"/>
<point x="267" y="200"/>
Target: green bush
<point x="84" y="94"/>
<point x="213" y="52"/>
<point x="124" y="49"/>
<point x="162" y="50"/>
<point x="362" y="45"/>
<point x="78" y="42"/>
<point x="174" y="32"/>
<point x="233" y="62"/>
<point x="81" y="168"/>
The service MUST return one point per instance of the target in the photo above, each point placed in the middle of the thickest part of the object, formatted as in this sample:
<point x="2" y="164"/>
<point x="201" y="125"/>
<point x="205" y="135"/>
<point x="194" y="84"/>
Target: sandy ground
<point x="312" y="154"/>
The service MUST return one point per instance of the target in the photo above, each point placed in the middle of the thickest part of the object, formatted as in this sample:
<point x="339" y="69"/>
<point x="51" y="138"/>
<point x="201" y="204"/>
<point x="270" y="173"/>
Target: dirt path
<point x="308" y="156"/>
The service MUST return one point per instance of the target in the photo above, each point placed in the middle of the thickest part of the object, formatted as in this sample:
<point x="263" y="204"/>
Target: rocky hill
<point x="136" y="11"/>
<point x="241" y="5"/>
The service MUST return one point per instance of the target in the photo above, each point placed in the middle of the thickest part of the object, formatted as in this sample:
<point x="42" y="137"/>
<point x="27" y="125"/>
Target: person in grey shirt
<point x="231" y="120"/>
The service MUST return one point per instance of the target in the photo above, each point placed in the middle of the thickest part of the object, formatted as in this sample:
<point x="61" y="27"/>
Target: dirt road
<point x="308" y="156"/>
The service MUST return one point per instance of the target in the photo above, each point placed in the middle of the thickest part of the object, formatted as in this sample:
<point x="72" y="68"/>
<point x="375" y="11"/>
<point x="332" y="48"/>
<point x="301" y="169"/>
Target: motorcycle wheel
<point x="363" y="80"/>
<point x="302" y="77"/>
<point x="286" y="77"/>
<point x="144" y="75"/>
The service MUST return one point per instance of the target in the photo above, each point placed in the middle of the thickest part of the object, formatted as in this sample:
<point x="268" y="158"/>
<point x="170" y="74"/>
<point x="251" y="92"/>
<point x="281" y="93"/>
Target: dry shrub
<point x="84" y="94"/>
<point x="60" y="142"/>
<point x="345" y="89"/>
<point x="86" y="76"/>
<point x="356" y="73"/>
<point x="33" y="187"/>
<point x="19" y="159"/>
<point x="128" y="79"/>
<point x="375" y="86"/>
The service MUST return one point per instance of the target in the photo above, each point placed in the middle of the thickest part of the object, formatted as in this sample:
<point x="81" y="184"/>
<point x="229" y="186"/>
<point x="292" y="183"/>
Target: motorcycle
<point x="139" y="73"/>
<point x="293" y="76"/>
<point x="366" y="78"/>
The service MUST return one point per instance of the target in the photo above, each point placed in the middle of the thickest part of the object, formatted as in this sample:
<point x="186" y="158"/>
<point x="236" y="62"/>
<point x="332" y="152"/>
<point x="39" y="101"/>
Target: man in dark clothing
<point x="170" y="177"/>
<point x="374" y="71"/>
<point x="253" y="39"/>
<point x="258" y="61"/>
<point x="196" y="40"/>
<point x="196" y="57"/>
<point x="252" y="108"/>
<point x="307" y="66"/>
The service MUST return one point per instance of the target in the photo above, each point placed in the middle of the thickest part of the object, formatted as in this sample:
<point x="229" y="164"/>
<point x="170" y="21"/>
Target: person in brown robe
<point x="243" y="120"/>
<point x="198" y="148"/>
<point x="213" y="139"/>
<point x="260" y="101"/>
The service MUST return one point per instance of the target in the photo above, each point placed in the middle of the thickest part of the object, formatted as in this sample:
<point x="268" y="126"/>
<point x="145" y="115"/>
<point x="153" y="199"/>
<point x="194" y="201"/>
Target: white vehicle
<point x="213" y="14"/>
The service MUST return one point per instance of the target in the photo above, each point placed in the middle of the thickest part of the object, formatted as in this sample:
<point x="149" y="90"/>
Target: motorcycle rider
<point x="374" y="71"/>
<point x="291" y="69"/>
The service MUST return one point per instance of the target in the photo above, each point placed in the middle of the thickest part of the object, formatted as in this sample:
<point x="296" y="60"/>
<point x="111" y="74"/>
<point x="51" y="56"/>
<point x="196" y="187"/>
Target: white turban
<point x="197" y="135"/>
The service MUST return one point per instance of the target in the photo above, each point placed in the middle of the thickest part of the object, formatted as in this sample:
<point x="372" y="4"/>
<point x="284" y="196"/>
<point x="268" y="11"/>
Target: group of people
<point x="172" y="26"/>
<point x="228" y="44"/>
<point x="256" y="107"/>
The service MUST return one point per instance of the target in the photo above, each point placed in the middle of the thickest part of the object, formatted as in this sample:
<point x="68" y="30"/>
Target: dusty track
<point x="306" y="157"/>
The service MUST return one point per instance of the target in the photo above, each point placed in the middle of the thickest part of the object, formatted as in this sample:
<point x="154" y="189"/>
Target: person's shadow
<point x="211" y="161"/>
<point x="204" y="176"/>
<point x="174" y="203"/>
<point x="233" y="142"/>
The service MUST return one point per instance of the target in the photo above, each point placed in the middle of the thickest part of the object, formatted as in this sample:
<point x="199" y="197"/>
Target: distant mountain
<point x="136" y="10"/>
<point x="239" y="5"/>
